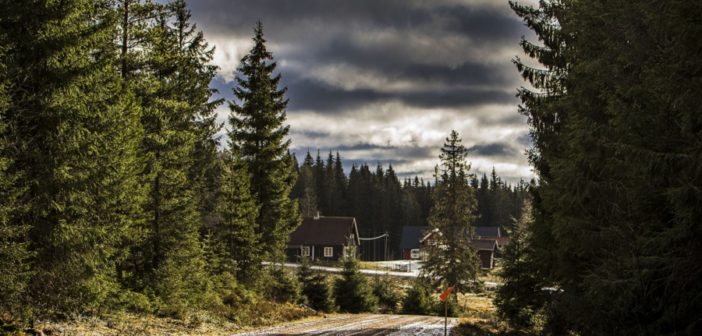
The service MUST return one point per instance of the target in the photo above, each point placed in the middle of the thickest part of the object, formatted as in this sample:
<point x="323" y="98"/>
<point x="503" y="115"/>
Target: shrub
<point x="282" y="287"/>
<point x="352" y="292"/>
<point x="388" y="295"/>
<point x="135" y="302"/>
<point x="418" y="299"/>
<point x="318" y="293"/>
<point x="450" y="307"/>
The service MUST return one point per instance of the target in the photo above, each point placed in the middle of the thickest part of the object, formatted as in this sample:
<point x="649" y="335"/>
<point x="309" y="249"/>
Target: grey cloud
<point x="412" y="174"/>
<point x="307" y="94"/>
<point x="309" y="134"/>
<point x="393" y="64"/>
<point x="450" y="52"/>
<point x="492" y="25"/>
<point x="525" y="140"/>
<point x="285" y="16"/>
<point x="493" y="149"/>
<point x="302" y="22"/>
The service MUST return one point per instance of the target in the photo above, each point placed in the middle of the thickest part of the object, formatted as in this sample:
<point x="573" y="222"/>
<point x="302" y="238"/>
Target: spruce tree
<point x="174" y="263"/>
<point x="352" y="292"/>
<point x="14" y="253"/>
<point x="315" y="288"/>
<point x="419" y="299"/>
<point x="195" y="74"/>
<point x="76" y="143"/>
<point x="388" y="294"/>
<point x="520" y="297"/>
<point x="307" y="197"/>
<point x="321" y="185"/>
<point x="237" y="229"/>
<point x="340" y="185"/>
<point x="392" y="205"/>
<point x="615" y="135"/>
<point x="259" y="134"/>
<point x="451" y="260"/>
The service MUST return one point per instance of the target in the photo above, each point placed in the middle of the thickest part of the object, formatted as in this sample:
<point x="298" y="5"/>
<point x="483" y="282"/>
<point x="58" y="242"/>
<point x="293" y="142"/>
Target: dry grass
<point x="130" y="324"/>
<point x="480" y="317"/>
<point x="492" y="275"/>
<point x="477" y="306"/>
<point x="201" y="323"/>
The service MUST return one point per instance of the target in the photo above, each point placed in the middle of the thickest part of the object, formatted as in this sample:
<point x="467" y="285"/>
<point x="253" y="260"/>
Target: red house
<point x="409" y="241"/>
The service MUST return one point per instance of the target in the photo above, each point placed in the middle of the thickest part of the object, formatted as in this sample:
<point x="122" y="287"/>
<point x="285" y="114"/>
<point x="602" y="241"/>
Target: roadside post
<point x="444" y="297"/>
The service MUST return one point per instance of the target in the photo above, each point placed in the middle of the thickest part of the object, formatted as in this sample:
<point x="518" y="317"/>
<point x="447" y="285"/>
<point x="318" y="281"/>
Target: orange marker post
<point x="444" y="297"/>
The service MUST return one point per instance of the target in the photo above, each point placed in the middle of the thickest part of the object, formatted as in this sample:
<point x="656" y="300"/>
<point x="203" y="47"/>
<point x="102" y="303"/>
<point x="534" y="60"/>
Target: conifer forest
<point x="123" y="190"/>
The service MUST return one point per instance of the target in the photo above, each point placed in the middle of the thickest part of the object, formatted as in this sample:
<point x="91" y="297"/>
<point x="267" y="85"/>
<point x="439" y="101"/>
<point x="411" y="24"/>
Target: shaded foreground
<point x="363" y="324"/>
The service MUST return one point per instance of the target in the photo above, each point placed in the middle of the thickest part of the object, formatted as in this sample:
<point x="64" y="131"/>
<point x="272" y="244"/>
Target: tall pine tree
<point x="174" y="263"/>
<point x="195" y="74"/>
<point x="14" y="253"/>
<point x="259" y="135"/>
<point x="616" y="146"/>
<point x="75" y="142"/>
<point x="239" y="212"/>
<point x="451" y="259"/>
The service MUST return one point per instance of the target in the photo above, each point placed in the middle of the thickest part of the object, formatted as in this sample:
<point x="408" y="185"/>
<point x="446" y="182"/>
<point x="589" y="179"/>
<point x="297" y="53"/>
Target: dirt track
<point x="364" y="324"/>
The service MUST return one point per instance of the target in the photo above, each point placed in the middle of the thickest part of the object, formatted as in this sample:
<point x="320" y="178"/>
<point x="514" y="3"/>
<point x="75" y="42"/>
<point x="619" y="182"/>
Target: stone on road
<point x="361" y="324"/>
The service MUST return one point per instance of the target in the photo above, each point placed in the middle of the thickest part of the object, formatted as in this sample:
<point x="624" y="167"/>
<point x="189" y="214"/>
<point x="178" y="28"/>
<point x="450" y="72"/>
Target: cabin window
<point x="328" y="252"/>
<point x="305" y="251"/>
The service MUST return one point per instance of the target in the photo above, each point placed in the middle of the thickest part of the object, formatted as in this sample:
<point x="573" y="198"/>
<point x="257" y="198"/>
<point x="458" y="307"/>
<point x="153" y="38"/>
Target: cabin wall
<point x="486" y="259"/>
<point x="316" y="253"/>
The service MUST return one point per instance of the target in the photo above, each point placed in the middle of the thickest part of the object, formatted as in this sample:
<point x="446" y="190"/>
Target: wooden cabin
<point x="323" y="239"/>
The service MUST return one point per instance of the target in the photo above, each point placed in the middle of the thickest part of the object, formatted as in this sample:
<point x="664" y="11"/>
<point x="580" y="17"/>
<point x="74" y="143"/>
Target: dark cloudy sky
<point x="385" y="81"/>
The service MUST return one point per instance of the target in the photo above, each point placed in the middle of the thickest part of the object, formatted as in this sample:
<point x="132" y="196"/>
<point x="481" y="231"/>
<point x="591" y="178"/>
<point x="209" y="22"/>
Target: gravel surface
<point x="362" y="324"/>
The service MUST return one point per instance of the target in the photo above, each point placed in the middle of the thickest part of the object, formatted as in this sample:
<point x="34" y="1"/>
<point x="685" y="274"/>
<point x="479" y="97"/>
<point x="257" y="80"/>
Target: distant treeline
<point x="381" y="202"/>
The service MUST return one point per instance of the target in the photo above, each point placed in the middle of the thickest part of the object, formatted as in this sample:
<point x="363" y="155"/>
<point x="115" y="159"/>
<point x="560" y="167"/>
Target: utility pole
<point x="386" y="246"/>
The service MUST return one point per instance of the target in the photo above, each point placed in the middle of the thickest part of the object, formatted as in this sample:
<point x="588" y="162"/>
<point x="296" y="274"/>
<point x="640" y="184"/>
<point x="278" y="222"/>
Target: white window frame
<point x="305" y="251"/>
<point x="328" y="251"/>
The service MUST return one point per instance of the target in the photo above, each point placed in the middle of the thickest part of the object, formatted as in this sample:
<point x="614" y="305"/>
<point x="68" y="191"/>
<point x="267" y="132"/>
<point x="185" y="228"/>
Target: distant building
<point x="323" y="238"/>
<point x="486" y="251"/>
<point x="488" y="231"/>
<point x="491" y="232"/>
<point x="484" y="247"/>
<point x="409" y="242"/>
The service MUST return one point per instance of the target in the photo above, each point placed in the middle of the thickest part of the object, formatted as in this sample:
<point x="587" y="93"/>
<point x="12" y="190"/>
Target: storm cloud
<point x="385" y="81"/>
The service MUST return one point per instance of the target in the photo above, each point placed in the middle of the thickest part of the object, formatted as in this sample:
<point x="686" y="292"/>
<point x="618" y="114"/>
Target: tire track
<point x="360" y="325"/>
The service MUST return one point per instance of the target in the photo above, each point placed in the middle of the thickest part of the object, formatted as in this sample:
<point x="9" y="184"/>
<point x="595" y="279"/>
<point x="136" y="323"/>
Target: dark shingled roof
<point x="487" y="231"/>
<point x="324" y="231"/>
<point x="411" y="236"/>
<point x="484" y="244"/>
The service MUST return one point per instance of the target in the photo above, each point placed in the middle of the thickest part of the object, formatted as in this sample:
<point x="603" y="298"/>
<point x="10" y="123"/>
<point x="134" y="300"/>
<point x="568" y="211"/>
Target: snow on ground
<point x="362" y="324"/>
<point x="413" y="273"/>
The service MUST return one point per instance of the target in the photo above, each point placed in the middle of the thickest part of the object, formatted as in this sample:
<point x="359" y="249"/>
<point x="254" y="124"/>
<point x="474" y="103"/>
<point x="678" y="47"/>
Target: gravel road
<point x="362" y="324"/>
